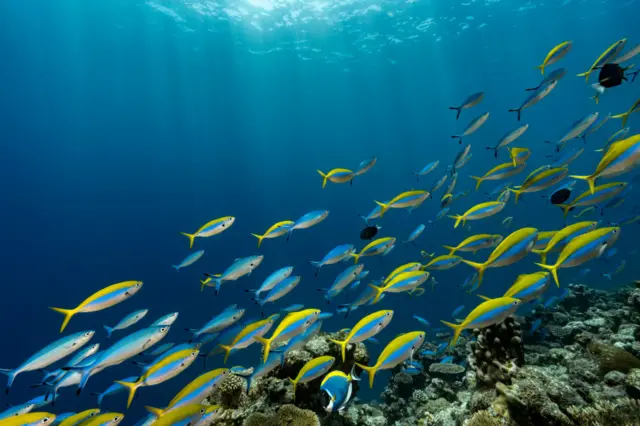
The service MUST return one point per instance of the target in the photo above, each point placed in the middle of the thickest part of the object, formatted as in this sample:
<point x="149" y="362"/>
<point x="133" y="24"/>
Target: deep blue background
<point x="121" y="126"/>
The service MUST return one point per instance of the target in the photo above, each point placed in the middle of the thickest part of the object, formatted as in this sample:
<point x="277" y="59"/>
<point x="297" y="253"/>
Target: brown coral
<point x="287" y="415"/>
<point x="624" y="412"/>
<point x="612" y="357"/>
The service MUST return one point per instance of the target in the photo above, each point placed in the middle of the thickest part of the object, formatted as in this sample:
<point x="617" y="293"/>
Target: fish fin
<point x="324" y="179"/>
<point x="366" y="221"/>
<point x="384" y="207"/>
<point x="295" y="385"/>
<point x="565" y="208"/>
<point x="379" y="291"/>
<point x="68" y="314"/>
<point x="155" y="411"/>
<point x="480" y="267"/>
<point x="191" y="238"/>
<point x="11" y="376"/>
<point x="591" y="180"/>
<point x="452" y="250"/>
<point x="584" y="74"/>
<point x="267" y="347"/>
<point x="532" y="89"/>
<point x="371" y="371"/>
<point x="458" y="109"/>
<point x="624" y="117"/>
<point x="515" y="191"/>
<point x="227" y="352"/>
<point x="131" y="387"/>
<point x="457" y="329"/>
<point x="554" y="271"/>
<point x="109" y="330"/>
<point x="259" y="237"/>
<point x="518" y="111"/>
<point x="343" y="347"/>
<point x="483" y="297"/>
<point x="607" y="276"/>
<point x="541" y="68"/>
<point x="478" y="181"/>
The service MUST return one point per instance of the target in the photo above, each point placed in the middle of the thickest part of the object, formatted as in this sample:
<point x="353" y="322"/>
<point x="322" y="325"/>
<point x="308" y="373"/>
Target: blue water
<point x="124" y="123"/>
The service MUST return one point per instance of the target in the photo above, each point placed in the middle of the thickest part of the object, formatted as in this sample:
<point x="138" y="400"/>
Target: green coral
<point x="287" y="415"/>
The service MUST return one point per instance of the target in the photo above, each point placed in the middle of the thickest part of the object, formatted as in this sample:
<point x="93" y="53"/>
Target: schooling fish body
<point x="211" y="228"/>
<point x="189" y="260"/>
<point x="126" y="322"/>
<point x="471" y="101"/>
<point x="364" y="329"/>
<point x="555" y="54"/>
<point x="472" y="127"/>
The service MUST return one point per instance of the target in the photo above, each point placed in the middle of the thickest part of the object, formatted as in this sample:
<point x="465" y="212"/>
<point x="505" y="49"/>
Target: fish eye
<point x="202" y="411"/>
<point x="193" y="353"/>
<point x="46" y="420"/>
<point x="163" y="329"/>
<point x="388" y="314"/>
<point x="116" y="418"/>
<point x="88" y="333"/>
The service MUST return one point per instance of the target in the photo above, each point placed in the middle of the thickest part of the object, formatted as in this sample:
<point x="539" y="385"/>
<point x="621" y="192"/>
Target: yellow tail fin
<point x="295" y="385"/>
<point x="585" y="75"/>
<point x="132" y="388"/>
<point x="227" y="352"/>
<point x="384" y="206"/>
<point x="68" y="313"/>
<point x="591" y="180"/>
<point x="191" y="237"/>
<point x="452" y="250"/>
<point x="541" y="68"/>
<point x="553" y="269"/>
<point x="379" y="291"/>
<point x="259" y="237"/>
<point x="624" y="116"/>
<point x="480" y="267"/>
<point x="458" y="218"/>
<point x="515" y="191"/>
<point x="457" y="329"/>
<point x="478" y="181"/>
<point x="343" y="347"/>
<point x="543" y="255"/>
<point x="371" y="371"/>
<point x="565" y="209"/>
<point x="267" y="347"/>
<point x="155" y="411"/>
<point x="483" y="297"/>
<point x="324" y="179"/>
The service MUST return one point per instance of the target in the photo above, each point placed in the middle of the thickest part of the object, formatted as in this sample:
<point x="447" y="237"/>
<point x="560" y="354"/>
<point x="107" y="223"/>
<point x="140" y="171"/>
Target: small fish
<point x="535" y="97"/>
<point x="555" y="54"/>
<point x="507" y="222"/>
<point x="337" y="176"/>
<point x="442" y="213"/>
<point x="427" y="169"/>
<point x="539" y="181"/>
<point x="374" y="248"/>
<point x="585" y="211"/>
<point x="345" y="278"/>
<point x="229" y="316"/>
<point x="365" y="329"/>
<point x="479" y="211"/>
<point x="273" y="279"/>
<point x="582" y="249"/>
<point x="470" y="280"/>
<point x="555" y="75"/>
<point x="461" y="158"/>
<point x="292" y="308"/>
<point x="475" y="243"/>
<point x="611" y="252"/>
<point x="550" y="302"/>
<point x="566" y="157"/>
<point x="565" y="293"/>
<point x="471" y="101"/>
<point x="210" y="229"/>
<point x="489" y="312"/>
<point x="168" y="319"/>
<point x="307" y="221"/>
<point x="126" y="322"/>
<point x="595" y="127"/>
<point x="472" y="127"/>
<point x="422" y="321"/>
<point x="113" y="389"/>
<point x="338" y="388"/>
<point x="276" y="230"/>
<point x="519" y="155"/>
<point x="103" y="299"/>
<point x="599" y="195"/>
<point x="528" y="287"/>
<point x="159" y="350"/>
<point x="501" y="171"/>
<point x="404" y="200"/>
<point x="324" y="315"/>
<point x="189" y="260"/>
<point x="576" y="130"/>
<point x="630" y="54"/>
<point x="452" y="184"/>
<point x="607" y="56"/>
<point x="447" y="360"/>
<point x="509" y="137"/>
<point x="375" y="213"/>
<point x="443" y="262"/>
<point x="617" y="136"/>
<point x="336" y="255"/>
<point x="283" y="288"/>
<point x="456" y="311"/>
<point x="405" y="281"/>
<point x="584" y="272"/>
<point x="294" y="323"/>
<point x="535" y="326"/>
<point x="412" y="370"/>
<point x="625" y="115"/>
<point x="238" y="269"/>
<point x="564" y="236"/>
<point x="441" y="348"/>
<point x="415" y="234"/>
<point x="365" y="166"/>
<point x="313" y="369"/>
<point x="619" y="267"/>
<point x="30" y="419"/>
<point x="396" y="352"/>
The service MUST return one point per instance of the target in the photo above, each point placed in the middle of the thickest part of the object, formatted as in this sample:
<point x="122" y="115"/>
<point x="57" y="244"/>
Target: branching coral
<point x="498" y="352"/>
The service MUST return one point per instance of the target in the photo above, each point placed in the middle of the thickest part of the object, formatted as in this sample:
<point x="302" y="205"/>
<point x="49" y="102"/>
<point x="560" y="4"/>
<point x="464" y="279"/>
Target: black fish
<point x="560" y="196"/>
<point x="369" y="232"/>
<point x="611" y="75"/>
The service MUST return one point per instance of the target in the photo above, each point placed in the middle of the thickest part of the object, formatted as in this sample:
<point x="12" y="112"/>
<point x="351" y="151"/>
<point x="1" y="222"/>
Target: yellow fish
<point x="337" y="176"/>
<point x="276" y="230"/>
<point x="500" y="171"/>
<point x="599" y="195"/>
<point x="210" y="229"/>
<point x="29" y="419"/>
<point x="561" y="238"/>
<point x="519" y="155"/>
<point x="411" y="198"/>
<point x="555" y="55"/>
<point x="479" y="211"/>
<point x="625" y="115"/>
<point x="607" y="56"/>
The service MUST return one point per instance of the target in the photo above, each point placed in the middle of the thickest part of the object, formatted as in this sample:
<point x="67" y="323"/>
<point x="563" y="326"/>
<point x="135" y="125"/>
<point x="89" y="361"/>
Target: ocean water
<point x="124" y="123"/>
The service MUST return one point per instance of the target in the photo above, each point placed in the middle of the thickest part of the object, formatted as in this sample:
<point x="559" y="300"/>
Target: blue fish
<point x="61" y="418"/>
<point x="189" y="260"/>
<point x="113" y="389"/>
<point x="292" y="308"/>
<point x="159" y="350"/>
<point x="457" y="310"/>
<point x="611" y="252"/>
<point x="442" y="347"/>
<point x="229" y="316"/>
<point x="308" y="220"/>
<point x="273" y="279"/>
<point x="166" y="319"/>
<point x="427" y="353"/>
<point x="584" y="272"/>
<point x="554" y="75"/>
<point x="495" y="192"/>
<point x="565" y="293"/>
<point x="273" y="361"/>
<point x="551" y="302"/>
<point x="535" y="325"/>
<point x="412" y="371"/>
<point x="336" y="255"/>
<point x="324" y="315"/>
<point x="365" y="166"/>
<point x="422" y="321"/>
<point x="126" y="322"/>
<point x="373" y="340"/>
<point x="415" y="234"/>
<point x="426" y="169"/>
<point x="447" y="360"/>
<point x="354" y="285"/>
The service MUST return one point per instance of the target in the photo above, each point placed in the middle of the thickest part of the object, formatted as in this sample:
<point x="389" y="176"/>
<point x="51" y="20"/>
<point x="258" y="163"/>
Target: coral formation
<point x="288" y="414"/>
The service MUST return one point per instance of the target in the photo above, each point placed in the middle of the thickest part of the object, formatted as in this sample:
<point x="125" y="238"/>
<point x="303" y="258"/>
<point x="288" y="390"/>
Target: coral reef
<point x="579" y="368"/>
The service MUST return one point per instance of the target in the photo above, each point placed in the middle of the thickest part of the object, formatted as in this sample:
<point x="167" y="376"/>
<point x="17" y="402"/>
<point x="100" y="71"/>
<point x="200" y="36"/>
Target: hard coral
<point x="287" y="415"/>
<point x="621" y="413"/>
<point x="612" y="357"/>
<point x="498" y="352"/>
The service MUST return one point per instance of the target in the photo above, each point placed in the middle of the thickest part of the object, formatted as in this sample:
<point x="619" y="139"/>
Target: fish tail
<point x="343" y="347"/>
<point x="624" y="117"/>
<point x="543" y="255"/>
<point x="176" y="267"/>
<point x="259" y="237"/>
<point x="452" y="250"/>
<point x="553" y="269"/>
<point x="417" y="176"/>
<point x="518" y="110"/>
<point x="607" y="276"/>
<point x="591" y="180"/>
<point x="379" y="291"/>
<point x="191" y="237"/>
<point x="295" y="385"/>
<point x="458" y="109"/>
<point x="541" y="68"/>
<point x="585" y="75"/>
<point x="11" y="376"/>
<point x="458" y="218"/>
<point x="227" y="352"/>
<point x="356" y="257"/>
<point x="457" y="329"/>
<point x="478" y="181"/>
<point x="158" y="412"/>
<point x="516" y="191"/>
<point x="366" y="220"/>
<point x="324" y="178"/>
<point x="459" y="137"/>
<point x="109" y="330"/>
<point x="68" y="313"/>
<point x="480" y="267"/>
<point x="267" y="347"/>
<point x="565" y="208"/>
<point x="384" y="206"/>
<point x="371" y="371"/>
<point x="132" y="387"/>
